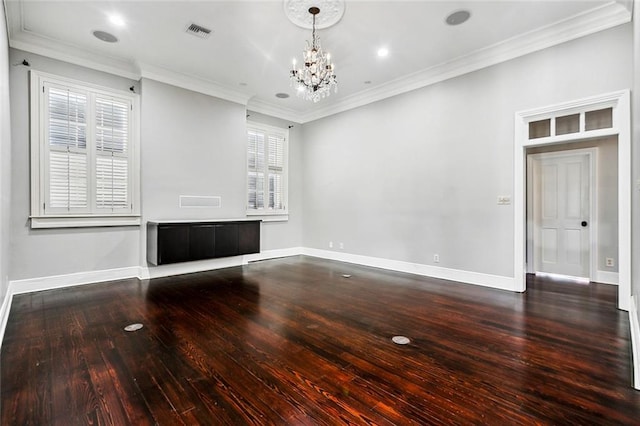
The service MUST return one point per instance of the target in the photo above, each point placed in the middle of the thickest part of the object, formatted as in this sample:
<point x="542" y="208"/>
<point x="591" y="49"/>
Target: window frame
<point x="93" y="216"/>
<point x="266" y="214"/>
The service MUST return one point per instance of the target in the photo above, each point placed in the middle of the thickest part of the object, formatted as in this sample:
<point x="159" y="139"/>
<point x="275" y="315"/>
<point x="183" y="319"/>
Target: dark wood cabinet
<point x="202" y="242"/>
<point x="182" y="242"/>
<point x="226" y="240"/>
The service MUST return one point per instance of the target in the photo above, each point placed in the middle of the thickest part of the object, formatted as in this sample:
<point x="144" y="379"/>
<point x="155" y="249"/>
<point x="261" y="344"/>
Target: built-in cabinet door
<point x="173" y="243"/>
<point x="202" y="242"/>
<point x="226" y="240"/>
<point x="249" y="237"/>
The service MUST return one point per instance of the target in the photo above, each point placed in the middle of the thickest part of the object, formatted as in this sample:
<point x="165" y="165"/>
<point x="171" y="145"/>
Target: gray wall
<point x="194" y="144"/>
<point x="46" y="252"/>
<point x="5" y="159"/>
<point x="607" y="195"/>
<point x="191" y="144"/>
<point x="418" y="174"/>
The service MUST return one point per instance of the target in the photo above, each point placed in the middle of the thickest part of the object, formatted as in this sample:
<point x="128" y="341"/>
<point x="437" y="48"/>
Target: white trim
<point x="634" y="323"/>
<point x="150" y="272"/>
<point x="620" y="102"/>
<point x="262" y="107"/>
<point x="468" y="277"/>
<point x="592" y="155"/>
<point x="52" y="282"/>
<point x="43" y="222"/>
<point x="606" y="277"/>
<point x="4" y="313"/>
<point x="193" y="83"/>
<point x="274" y="254"/>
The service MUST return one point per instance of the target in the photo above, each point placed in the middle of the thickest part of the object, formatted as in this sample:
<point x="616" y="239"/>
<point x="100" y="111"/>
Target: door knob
<point x="584" y="223"/>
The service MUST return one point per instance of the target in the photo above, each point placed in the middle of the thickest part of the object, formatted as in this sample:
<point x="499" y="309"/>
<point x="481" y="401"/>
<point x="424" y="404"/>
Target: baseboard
<point x="634" y="321"/>
<point x="274" y="254"/>
<point x="69" y="280"/>
<point x="4" y="313"/>
<point x="477" y="278"/>
<point x="606" y="277"/>
<point x="151" y="272"/>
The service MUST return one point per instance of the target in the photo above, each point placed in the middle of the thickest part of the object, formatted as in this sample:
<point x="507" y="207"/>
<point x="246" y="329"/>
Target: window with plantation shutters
<point x="112" y="154"/>
<point x="66" y="137"/>
<point x="84" y="169"/>
<point x="266" y="170"/>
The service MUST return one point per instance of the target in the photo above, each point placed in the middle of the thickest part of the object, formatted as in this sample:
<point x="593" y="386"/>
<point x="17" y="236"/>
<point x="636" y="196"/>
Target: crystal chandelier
<point x="315" y="80"/>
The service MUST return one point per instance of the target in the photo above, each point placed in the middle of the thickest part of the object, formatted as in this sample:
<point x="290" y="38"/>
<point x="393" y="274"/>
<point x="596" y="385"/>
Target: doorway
<point x="561" y="213"/>
<point x="597" y="117"/>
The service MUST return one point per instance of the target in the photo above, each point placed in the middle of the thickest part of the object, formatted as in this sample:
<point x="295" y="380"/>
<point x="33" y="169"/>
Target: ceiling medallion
<point x="298" y="12"/>
<point x="315" y="79"/>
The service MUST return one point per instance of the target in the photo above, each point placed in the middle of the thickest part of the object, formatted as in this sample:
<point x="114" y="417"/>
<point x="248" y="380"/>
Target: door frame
<point x="592" y="155"/>
<point x="620" y="102"/>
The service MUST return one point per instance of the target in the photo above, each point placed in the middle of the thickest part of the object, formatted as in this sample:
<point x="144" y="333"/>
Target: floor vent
<point x="198" y="31"/>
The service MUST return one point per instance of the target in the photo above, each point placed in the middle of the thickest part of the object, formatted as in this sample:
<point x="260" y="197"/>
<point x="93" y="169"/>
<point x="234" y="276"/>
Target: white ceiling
<point x="248" y="55"/>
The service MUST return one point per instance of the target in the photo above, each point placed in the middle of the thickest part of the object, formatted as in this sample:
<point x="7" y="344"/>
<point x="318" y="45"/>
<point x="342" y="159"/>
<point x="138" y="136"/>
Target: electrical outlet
<point x="436" y="258"/>
<point x="609" y="262"/>
<point x="330" y="244"/>
<point x="341" y="246"/>
<point x="504" y="200"/>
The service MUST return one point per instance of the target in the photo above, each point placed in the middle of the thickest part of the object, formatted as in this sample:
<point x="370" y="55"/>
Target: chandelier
<point x="316" y="78"/>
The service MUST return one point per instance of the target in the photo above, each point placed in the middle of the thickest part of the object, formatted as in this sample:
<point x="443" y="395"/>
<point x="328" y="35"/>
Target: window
<point x="266" y="170"/>
<point x="84" y="161"/>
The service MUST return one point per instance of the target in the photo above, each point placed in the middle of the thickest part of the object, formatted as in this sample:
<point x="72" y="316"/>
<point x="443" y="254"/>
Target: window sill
<point x="44" y="222"/>
<point x="268" y="216"/>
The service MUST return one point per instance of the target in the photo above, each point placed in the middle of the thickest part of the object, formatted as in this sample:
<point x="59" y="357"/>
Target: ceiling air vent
<point x="198" y="31"/>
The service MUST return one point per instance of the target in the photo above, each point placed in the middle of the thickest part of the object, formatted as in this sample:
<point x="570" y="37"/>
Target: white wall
<point x="5" y="158"/>
<point x="418" y="174"/>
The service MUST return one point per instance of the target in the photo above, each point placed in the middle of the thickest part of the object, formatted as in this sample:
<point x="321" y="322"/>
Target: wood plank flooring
<point x="293" y="342"/>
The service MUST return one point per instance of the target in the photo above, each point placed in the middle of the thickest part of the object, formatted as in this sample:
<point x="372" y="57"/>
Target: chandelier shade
<point x="315" y="79"/>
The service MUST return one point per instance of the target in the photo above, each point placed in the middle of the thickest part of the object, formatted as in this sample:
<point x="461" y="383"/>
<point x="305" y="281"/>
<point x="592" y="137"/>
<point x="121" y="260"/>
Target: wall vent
<point x="198" y="31"/>
<point x="200" y="201"/>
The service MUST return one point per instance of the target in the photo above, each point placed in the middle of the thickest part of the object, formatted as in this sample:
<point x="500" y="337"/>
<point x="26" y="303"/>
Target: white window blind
<point x="67" y="147"/>
<point x="84" y="153"/>
<point x="266" y="170"/>
<point x="112" y="143"/>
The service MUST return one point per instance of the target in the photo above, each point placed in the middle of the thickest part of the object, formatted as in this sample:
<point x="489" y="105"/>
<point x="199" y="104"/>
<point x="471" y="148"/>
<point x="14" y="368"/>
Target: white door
<point x="561" y="213"/>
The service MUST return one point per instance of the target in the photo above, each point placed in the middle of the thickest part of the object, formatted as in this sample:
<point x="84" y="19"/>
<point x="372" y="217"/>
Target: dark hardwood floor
<point x="292" y="341"/>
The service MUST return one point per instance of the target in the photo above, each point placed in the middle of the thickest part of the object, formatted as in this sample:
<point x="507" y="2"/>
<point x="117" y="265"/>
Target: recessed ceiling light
<point x="458" y="17"/>
<point x="116" y="20"/>
<point x="383" y="52"/>
<point x="105" y="36"/>
<point x="282" y="95"/>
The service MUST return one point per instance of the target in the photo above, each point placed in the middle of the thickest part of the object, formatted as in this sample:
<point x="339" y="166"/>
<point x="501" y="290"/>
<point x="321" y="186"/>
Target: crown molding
<point x="601" y="18"/>
<point x="598" y="19"/>
<point x="267" y="108"/>
<point x="193" y="83"/>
